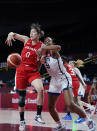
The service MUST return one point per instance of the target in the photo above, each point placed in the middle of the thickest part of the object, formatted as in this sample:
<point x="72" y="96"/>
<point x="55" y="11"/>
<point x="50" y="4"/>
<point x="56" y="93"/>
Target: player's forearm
<point x="18" y="36"/>
<point x="52" y="47"/>
<point x="78" y="73"/>
<point x="80" y="79"/>
<point x="44" y="52"/>
<point x="83" y="83"/>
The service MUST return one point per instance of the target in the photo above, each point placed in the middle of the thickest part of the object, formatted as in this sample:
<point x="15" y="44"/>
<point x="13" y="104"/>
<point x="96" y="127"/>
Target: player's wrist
<point x="11" y="34"/>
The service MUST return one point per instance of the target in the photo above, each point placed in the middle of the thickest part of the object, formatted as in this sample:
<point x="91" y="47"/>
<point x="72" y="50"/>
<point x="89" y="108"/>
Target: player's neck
<point x="35" y="42"/>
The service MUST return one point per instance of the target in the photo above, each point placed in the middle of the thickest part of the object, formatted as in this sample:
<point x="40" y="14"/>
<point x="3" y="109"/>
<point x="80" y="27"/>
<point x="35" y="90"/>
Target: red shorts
<point x="23" y="77"/>
<point x="76" y="86"/>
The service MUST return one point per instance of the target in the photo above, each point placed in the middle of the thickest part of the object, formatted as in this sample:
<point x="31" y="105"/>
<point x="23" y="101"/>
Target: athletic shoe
<point x="22" y="126"/>
<point x="79" y="120"/>
<point x="67" y="117"/>
<point x="91" y="125"/>
<point x="38" y="119"/>
<point x="60" y="128"/>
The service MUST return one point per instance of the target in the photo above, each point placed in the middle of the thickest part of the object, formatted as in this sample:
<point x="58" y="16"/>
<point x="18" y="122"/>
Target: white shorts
<point x="58" y="84"/>
<point x="81" y="91"/>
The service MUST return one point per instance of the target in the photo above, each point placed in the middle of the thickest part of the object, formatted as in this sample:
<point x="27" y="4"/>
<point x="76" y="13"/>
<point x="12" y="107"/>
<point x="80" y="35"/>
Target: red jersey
<point x="29" y="55"/>
<point x="30" y="61"/>
<point x="28" y="70"/>
<point x="70" y="70"/>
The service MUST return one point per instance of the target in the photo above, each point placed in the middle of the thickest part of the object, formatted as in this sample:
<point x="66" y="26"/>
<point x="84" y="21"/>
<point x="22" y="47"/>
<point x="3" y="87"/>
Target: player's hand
<point x="9" y="39"/>
<point x="42" y="60"/>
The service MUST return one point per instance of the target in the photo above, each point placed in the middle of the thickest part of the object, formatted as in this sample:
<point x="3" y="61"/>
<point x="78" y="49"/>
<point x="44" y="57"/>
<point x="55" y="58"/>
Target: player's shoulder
<point x="42" y="45"/>
<point x="27" y="40"/>
<point x="77" y="69"/>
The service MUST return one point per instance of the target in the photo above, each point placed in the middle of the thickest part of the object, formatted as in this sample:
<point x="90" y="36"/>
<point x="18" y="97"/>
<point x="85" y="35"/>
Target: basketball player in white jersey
<point x="60" y="81"/>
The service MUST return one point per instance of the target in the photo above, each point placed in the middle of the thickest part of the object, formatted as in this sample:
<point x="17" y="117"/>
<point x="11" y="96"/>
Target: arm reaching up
<point x="12" y="36"/>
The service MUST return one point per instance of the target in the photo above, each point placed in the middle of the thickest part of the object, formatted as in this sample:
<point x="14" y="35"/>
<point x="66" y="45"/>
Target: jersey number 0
<point x="27" y="54"/>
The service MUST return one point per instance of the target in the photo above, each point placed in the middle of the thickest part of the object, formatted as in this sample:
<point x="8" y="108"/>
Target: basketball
<point x="14" y="60"/>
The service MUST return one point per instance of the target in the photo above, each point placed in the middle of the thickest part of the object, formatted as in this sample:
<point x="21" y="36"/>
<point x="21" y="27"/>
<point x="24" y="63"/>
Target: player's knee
<point x="21" y="101"/>
<point x="22" y="97"/>
<point x="70" y="104"/>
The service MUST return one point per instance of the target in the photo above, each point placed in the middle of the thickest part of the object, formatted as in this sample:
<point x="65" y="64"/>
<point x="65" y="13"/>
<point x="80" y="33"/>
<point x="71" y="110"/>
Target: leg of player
<point x="80" y="103"/>
<point x="91" y="107"/>
<point x="68" y="115"/>
<point x="75" y="108"/>
<point x="80" y="120"/>
<point x="52" y="99"/>
<point x="22" y="96"/>
<point x="37" y="83"/>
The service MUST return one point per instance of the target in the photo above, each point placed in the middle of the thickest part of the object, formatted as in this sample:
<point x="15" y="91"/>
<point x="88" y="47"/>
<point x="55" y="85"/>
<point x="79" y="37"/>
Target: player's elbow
<point x="58" y="47"/>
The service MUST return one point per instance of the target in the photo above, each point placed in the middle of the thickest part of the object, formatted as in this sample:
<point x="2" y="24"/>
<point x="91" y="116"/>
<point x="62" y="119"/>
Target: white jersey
<point x="60" y="78"/>
<point x="55" y="67"/>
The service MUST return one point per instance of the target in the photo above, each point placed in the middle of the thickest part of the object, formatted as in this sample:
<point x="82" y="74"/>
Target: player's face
<point x="48" y="41"/>
<point x="34" y="34"/>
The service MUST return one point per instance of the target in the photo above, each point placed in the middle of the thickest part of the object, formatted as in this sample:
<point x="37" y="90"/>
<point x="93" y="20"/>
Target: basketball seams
<point x="9" y="59"/>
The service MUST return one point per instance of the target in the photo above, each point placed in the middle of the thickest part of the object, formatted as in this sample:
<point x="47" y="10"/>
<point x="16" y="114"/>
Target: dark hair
<point x="65" y="59"/>
<point x="37" y="27"/>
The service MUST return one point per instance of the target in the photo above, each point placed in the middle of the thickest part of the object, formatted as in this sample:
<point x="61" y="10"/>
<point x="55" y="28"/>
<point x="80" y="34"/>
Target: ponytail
<point x="79" y="63"/>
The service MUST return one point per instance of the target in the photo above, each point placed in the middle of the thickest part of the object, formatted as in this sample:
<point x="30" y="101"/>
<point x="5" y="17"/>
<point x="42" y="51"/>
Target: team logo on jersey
<point x="30" y="48"/>
<point x="47" y="59"/>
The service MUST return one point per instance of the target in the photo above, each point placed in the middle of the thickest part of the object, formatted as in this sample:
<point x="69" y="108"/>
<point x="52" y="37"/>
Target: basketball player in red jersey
<point x="28" y="70"/>
<point x="75" y="84"/>
<point x="76" y="77"/>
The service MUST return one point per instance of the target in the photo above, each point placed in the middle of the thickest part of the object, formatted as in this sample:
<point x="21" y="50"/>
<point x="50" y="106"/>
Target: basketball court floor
<point x="9" y="121"/>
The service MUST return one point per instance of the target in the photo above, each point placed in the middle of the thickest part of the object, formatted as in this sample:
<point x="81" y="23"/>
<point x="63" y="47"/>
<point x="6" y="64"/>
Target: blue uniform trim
<point x="65" y="89"/>
<point x="81" y="95"/>
<point x="54" y="57"/>
<point x="54" y="93"/>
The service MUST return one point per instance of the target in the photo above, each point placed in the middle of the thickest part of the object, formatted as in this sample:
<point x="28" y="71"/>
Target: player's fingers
<point x="10" y="43"/>
<point x="6" y="42"/>
<point x="13" y="39"/>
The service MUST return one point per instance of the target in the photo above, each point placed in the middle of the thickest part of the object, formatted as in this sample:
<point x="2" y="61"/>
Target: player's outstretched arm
<point x="79" y="75"/>
<point x="14" y="36"/>
<point x="52" y="47"/>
